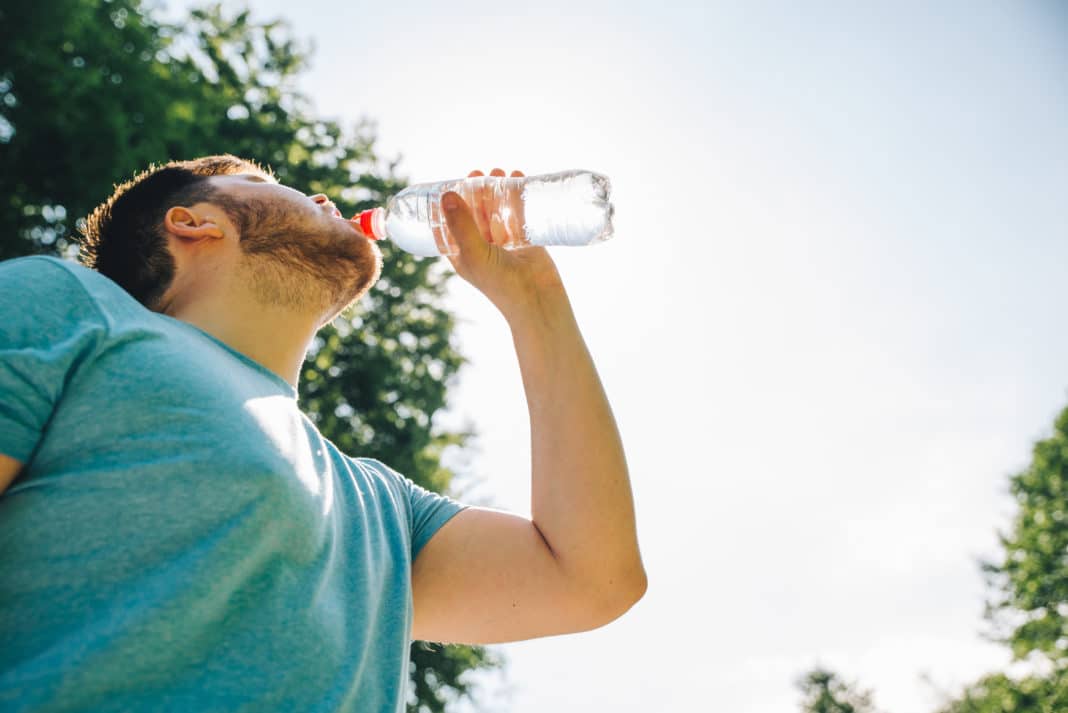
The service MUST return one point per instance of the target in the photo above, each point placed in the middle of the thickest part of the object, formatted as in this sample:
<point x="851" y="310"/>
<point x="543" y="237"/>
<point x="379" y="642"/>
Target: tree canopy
<point x="825" y="692"/>
<point x="1028" y="602"/>
<point x="1029" y="606"/>
<point x="1028" y="584"/>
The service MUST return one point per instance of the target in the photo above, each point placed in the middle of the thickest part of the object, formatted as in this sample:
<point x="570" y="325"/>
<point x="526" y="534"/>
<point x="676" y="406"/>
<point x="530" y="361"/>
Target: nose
<point x="321" y="199"/>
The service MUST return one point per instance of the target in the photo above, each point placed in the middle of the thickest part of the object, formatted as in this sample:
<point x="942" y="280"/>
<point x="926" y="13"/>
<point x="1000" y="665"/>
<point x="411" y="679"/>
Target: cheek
<point x="277" y="219"/>
<point x="308" y="217"/>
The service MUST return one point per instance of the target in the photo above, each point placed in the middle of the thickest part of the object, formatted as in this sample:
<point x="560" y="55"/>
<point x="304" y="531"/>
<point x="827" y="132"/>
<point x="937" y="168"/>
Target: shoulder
<point x="40" y="282"/>
<point x="42" y="266"/>
<point x="393" y="488"/>
<point x="375" y="466"/>
<point x="44" y="293"/>
<point x="379" y="472"/>
<point x="37" y="271"/>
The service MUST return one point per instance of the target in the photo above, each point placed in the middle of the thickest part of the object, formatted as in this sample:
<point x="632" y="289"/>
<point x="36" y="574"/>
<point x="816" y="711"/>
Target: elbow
<point x="616" y="597"/>
<point x="637" y="585"/>
<point x="642" y="584"/>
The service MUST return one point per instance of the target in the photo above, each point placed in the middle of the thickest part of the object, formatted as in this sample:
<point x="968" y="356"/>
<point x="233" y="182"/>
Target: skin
<point x="486" y="576"/>
<point x="489" y="576"/>
<point x="269" y="303"/>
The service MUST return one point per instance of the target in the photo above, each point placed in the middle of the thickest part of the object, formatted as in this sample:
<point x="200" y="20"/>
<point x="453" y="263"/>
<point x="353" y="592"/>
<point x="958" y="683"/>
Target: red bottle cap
<point x="365" y="224"/>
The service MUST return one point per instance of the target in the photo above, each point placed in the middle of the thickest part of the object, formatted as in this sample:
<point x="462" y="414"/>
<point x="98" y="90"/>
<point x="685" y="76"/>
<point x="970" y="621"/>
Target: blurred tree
<point x="1028" y="609"/>
<point x="92" y="91"/>
<point x="80" y="90"/>
<point x="998" y="693"/>
<point x="825" y="692"/>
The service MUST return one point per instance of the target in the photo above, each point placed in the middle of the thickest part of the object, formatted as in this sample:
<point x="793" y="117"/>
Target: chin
<point x="368" y="268"/>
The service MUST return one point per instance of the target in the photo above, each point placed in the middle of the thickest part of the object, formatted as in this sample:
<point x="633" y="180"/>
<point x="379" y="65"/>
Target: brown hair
<point x="123" y="237"/>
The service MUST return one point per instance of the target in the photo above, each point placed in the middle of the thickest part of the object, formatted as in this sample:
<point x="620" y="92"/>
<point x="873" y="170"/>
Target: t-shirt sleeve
<point x="48" y="326"/>
<point x="428" y="510"/>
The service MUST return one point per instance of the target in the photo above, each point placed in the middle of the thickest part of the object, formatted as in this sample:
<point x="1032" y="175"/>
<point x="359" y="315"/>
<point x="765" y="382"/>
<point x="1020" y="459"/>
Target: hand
<point x="514" y="280"/>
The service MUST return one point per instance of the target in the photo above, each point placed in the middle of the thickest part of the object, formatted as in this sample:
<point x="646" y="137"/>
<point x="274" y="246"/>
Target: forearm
<point x="581" y="496"/>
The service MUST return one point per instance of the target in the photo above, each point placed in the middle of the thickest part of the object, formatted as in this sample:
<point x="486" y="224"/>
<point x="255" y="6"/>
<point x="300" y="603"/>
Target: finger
<point x="478" y="200"/>
<point x="463" y="229"/>
<point x="489" y="207"/>
<point x="473" y="197"/>
<point x="515" y="217"/>
<point x="499" y="231"/>
<point x="516" y="212"/>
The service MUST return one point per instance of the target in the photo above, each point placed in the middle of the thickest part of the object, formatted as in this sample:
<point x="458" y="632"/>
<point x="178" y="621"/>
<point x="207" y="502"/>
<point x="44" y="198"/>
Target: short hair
<point x="123" y="237"/>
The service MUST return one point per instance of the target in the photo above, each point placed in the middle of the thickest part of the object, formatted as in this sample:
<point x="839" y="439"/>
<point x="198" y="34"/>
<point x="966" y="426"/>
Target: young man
<point x="175" y="534"/>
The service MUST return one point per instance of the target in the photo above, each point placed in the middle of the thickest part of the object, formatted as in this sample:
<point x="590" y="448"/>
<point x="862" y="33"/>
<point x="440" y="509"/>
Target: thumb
<point x="463" y="229"/>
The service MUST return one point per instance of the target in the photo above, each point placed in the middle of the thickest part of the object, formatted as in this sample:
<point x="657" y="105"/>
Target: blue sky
<point x="830" y="323"/>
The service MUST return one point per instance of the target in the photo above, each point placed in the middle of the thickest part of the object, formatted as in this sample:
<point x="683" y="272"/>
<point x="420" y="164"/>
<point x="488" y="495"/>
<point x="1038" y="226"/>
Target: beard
<point x="302" y="260"/>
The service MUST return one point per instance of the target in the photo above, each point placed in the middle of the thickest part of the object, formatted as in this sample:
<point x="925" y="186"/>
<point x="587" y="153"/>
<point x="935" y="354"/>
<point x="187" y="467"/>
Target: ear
<point x="190" y="224"/>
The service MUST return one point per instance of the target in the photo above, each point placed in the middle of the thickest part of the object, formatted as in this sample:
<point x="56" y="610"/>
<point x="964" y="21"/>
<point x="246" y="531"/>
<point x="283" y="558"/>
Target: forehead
<point x="255" y="183"/>
<point x="249" y="176"/>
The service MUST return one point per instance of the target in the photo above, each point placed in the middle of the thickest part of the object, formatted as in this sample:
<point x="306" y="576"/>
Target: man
<point x="176" y="535"/>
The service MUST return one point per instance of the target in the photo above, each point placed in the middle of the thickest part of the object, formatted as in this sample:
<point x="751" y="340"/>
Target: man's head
<point x="164" y="233"/>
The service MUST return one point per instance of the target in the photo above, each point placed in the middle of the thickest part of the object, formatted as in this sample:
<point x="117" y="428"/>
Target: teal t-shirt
<point x="182" y="538"/>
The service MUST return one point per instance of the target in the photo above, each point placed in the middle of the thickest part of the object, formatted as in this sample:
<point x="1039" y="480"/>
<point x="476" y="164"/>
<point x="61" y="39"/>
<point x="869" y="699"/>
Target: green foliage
<point x="92" y="91"/>
<point x="1029" y="589"/>
<point x="825" y="692"/>
<point x="1030" y="583"/>
<point x="433" y="666"/>
<point x="77" y="81"/>
<point x="997" y="693"/>
<point x="1028" y="607"/>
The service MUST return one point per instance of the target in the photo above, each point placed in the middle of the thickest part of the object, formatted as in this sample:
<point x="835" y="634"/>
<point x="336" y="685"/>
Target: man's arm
<point x="488" y="576"/>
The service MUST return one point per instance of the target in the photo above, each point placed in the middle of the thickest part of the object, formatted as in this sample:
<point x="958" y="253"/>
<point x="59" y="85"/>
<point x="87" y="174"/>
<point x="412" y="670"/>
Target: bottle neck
<point x="373" y="223"/>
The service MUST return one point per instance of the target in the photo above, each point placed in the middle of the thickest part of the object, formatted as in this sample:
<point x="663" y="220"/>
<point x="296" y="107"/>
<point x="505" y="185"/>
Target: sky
<point x="830" y="322"/>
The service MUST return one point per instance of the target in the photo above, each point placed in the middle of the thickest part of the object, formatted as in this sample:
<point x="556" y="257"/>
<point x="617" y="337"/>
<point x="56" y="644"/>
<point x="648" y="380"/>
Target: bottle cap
<point x="364" y="219"/>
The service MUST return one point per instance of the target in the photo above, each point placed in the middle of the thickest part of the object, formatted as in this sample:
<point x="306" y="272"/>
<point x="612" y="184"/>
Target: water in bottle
<point x="566" y="208"/>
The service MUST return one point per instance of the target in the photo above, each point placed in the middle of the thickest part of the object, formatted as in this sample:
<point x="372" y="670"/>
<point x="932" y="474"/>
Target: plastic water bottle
<point x="566" y="208"/>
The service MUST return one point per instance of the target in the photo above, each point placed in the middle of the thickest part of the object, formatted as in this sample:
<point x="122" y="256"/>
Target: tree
<point x="999" y="693"/>
<point x="80" y="89"/>
<point x="92" y="91"/>
<point x="825" y="692"/>
<point x="1028" y="609"/>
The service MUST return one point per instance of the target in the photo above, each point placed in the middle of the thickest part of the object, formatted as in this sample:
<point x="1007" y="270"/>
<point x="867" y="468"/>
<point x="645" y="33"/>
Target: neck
<point x="275" y="337"/>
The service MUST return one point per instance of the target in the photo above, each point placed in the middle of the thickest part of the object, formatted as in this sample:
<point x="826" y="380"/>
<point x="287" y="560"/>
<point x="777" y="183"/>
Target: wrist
<point x="541" y="314"/>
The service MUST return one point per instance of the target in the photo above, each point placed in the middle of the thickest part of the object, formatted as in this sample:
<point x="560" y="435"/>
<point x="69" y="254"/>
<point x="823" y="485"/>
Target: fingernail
<point x="449" y="202"/>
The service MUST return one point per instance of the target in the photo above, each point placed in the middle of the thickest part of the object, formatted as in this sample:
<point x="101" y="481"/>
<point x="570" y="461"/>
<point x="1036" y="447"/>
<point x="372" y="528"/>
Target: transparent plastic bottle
<point x="566" y="208"/>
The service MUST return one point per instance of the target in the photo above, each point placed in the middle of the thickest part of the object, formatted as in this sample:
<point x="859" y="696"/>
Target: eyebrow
<point x="255" y="177"/>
